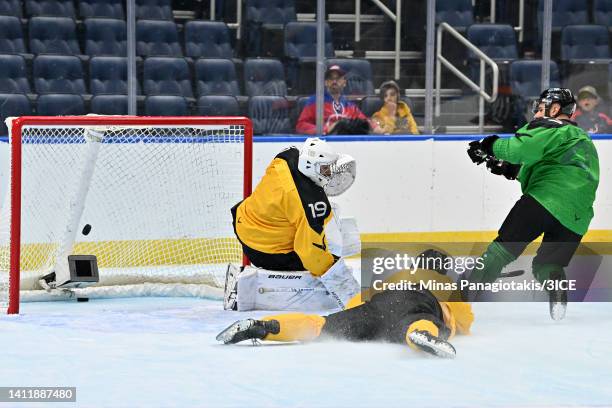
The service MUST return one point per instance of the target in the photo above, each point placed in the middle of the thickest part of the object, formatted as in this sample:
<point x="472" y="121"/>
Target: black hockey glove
<point x="481" y="151"/>
<point x="503" y="168"/>
<point x="486" y="144"/>
<point x="477" y="155"/>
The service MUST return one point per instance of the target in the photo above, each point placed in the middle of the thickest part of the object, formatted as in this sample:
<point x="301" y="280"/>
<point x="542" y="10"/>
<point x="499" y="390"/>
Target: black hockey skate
<point x="557" y="302"/>
<point x="557" y="298"/>
<point x="432" y="344"/>
<point x="249" y="329"/>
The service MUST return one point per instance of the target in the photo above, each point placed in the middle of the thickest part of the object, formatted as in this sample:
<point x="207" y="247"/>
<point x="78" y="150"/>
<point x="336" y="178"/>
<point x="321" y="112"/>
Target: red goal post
<point x="195" y="143"/>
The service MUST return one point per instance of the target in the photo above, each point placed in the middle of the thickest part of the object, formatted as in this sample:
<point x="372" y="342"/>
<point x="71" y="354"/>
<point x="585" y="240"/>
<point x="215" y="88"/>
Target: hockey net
<point x="150" y="197"/>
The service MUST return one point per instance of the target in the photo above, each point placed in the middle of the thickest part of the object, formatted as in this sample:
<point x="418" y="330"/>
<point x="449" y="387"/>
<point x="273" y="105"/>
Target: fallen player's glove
<point x="503" y="168"/>
<point x="431" y="344"/>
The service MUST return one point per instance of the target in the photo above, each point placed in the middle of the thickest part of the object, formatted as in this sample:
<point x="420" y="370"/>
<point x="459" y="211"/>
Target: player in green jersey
<point x="557" y="165"/>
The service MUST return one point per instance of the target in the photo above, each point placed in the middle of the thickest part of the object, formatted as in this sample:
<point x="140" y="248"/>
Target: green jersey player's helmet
<point x="562" y="96"/>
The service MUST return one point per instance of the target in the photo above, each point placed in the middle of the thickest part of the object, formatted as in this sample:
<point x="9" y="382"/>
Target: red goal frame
<point x="15" y="170"/>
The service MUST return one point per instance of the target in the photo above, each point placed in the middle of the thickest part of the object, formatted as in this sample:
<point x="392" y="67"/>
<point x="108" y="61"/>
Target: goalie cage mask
<point x="317" y="160"/>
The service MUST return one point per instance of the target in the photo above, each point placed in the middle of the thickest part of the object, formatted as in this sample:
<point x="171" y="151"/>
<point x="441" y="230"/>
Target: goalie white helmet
<point x="316" y="160"/>
<point x="343" y="173"/>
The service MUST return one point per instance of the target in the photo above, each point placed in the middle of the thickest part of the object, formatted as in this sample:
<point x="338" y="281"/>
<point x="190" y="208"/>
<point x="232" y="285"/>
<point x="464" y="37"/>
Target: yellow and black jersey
<point x="286" y="215"/>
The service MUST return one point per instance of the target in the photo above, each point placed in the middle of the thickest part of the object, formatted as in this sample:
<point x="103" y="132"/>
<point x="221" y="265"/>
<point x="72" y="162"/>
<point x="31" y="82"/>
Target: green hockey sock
<point x="494" y="260"/>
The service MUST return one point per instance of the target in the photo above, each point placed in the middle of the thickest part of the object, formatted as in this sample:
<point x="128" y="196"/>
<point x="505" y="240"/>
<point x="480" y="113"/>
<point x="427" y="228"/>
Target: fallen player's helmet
<point x="562" y="96"/>
<point x="316" y="160"/>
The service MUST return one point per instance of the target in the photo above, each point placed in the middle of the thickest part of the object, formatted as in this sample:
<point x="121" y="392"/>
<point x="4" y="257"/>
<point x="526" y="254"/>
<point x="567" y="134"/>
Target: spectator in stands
<point x="395" y="115"/>
<point x="340" y="116"/>
<point x="590" y="114"/>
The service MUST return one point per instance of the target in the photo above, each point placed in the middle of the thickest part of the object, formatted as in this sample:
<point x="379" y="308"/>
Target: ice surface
<point x="161" y="352"/>
<point x="153" y="352"/>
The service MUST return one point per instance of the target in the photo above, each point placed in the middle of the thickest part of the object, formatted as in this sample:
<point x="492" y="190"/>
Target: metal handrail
<point x="396" y="18"/>
<point x="479" y="89"/>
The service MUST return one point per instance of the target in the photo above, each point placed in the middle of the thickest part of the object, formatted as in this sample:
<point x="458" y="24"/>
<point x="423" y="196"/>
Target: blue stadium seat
<point x="498" y="41"/>
<point x="526" y="76"/>
<point x="53" y="35"/>
<point x="60" y="105"/>
<point x="11" y="35"/>
<point x="157" y="38"/>
<point x="11" y="8"/>
<point x="264" y="77"/>
<point x="154" y="9"/>
<point x="262" y="18"/>
<point x="301" y="51"/>
<point x="13" y="75"/>
<point x="457" y="13"/>
<point x="301" y="41"/>
<point x="108" y="75"/>
<point x="166" y="76"/>
<point x="105" y="36"/>
<point x="59" y="8"/>
<point x="210" y="39"/>
<point x="358" y="75"/>
<point x="58" y="74"/>
<point x="270" y="114"/>
<point x="602" y="12"/>
<point x="216" y="77"/>
<point x="278" y="12"/>
<point x="370" y="105"/>
<point x="584" y="42"/>
<point x="109" y="104"/>
<point x="101" y="9"/>
<point x="166" y="105"/>
<point x="585" y="56"/>
<point x="526" y="86"/>
<point x="218" y="105"/>
<point x="564" y="12"/>
<point x="13" y="105"/>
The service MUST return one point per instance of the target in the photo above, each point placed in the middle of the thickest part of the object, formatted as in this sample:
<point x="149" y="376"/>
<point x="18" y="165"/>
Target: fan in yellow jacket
<point x="395" y="115"/>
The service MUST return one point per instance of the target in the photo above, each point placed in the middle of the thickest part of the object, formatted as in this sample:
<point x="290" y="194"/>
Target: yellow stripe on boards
<point x="135" y="253"/>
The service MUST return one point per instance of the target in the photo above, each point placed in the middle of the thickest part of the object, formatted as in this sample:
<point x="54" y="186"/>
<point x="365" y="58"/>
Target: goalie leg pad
<point x="261" y="289"/>
<point x="341" y="283"/>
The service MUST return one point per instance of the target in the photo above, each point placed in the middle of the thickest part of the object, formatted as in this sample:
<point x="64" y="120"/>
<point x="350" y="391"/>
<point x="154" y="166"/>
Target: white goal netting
<point x="152" y="202"/>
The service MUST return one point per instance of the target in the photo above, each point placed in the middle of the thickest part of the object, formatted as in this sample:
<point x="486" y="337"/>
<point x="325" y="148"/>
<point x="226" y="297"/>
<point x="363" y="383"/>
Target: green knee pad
<point x="544" y="272"/>
<point x="494" y="260"/>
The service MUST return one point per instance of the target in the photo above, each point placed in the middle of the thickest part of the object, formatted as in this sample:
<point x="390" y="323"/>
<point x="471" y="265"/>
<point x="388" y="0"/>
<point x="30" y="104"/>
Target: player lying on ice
<point x="413" y="317"/>
<point x="293" y="236"/>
